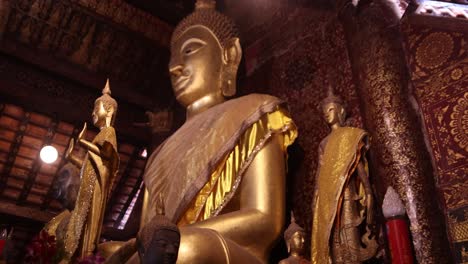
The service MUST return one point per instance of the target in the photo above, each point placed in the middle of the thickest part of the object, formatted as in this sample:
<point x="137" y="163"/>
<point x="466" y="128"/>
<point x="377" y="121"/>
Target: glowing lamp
<point x="48" y="154"/>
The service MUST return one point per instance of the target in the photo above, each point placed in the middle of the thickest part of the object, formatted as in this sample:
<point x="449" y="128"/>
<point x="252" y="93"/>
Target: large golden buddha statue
<point x="343" y="201"/>
<point x="222" y="173"/>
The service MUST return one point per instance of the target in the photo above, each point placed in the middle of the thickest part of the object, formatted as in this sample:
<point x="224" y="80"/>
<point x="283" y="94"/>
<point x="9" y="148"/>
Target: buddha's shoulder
<point x="256" y="98"/>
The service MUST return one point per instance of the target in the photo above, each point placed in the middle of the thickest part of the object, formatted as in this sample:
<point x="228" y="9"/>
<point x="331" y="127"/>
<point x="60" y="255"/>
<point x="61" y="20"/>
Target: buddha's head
<point x="294" y="237"/>
<point x="105" y="109"/>
<point x="333" y="109"/>
<point x="205" y="55"/>
<point x="158" y="241"/>
<point x="66" y="187"/>
<point x="159" y="244"/>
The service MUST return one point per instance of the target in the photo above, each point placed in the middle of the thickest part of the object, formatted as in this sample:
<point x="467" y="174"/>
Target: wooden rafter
<point x="26" y="212"/>
<point x="13" y="151"/>
<point x="36" y="164"/>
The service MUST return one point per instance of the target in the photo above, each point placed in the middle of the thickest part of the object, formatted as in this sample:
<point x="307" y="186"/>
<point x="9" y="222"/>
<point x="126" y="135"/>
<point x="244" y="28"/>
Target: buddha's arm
<point x="262" y="205"/>
<point x="104" y="152"/>
<point x="72" y="158"/>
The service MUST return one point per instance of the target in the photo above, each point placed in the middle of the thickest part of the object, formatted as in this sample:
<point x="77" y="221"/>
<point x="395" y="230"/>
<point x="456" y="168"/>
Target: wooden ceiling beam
<point x="37" y="164"/>
<point x="13" y="151"/>
<point x="24" y="211"/>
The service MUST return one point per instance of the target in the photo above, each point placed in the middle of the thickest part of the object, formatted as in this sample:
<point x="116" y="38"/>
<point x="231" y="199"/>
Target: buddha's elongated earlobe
<point x="232" y="54"/>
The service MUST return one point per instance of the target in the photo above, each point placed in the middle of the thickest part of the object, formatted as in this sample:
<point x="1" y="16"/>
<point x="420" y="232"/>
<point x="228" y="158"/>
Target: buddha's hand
<point x="82" y="133"/>
<point x="370" y="209"/>
<point x="71" y="145"/>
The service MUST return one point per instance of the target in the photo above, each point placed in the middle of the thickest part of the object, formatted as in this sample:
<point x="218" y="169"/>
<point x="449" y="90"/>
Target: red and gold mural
<point x="438" y="62"/>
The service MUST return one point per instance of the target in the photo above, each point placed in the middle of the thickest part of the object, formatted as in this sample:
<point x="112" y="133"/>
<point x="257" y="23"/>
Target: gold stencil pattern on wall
<point x="459" y="122"/>
<point x="456" y="74"/>
<point x="459" y="230"/>
<point x="434" y="50"/>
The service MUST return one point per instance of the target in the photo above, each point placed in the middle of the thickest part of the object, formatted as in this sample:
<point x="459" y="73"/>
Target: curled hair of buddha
<point x="158" y="222"/>
<point x="332" y="98"/>
<point x="206" y="15"/>
<point x="292" y="229"/>
<point x="106" y="98"/>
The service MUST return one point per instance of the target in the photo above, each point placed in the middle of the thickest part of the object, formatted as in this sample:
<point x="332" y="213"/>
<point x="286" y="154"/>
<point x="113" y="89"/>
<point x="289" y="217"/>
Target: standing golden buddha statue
<point x="223" y="172"/>
<point x="98" y="171"/>
<point x="343" y="196"/>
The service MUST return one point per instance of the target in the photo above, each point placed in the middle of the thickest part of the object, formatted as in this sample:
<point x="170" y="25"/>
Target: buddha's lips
<point x="180" y="84"/>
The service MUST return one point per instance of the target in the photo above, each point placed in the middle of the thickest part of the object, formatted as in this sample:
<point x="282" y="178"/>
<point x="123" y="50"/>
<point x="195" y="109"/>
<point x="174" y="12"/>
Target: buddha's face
<point x="196" y="65"/>
<point x="163" y="249"/>
<point x="333" y="113"/>
<point x="296" y="243"/>
<point x="99" y="114"/>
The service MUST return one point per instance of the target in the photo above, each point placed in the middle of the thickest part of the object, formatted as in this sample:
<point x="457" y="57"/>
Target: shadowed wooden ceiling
<point x="54" y="59"/>
<point x="26" y="181"/>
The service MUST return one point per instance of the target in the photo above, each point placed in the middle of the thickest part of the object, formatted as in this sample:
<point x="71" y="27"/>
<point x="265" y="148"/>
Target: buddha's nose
<point x="171" y="249"/>
<point x="176" y="70"/>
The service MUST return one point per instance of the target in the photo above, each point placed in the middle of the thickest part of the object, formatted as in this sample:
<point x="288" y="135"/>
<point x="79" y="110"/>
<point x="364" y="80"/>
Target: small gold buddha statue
<point x="294" y="238"/>
<point x="223" y="172"/>
<point x="98" y="172"/>
<point x="343" y="200"/>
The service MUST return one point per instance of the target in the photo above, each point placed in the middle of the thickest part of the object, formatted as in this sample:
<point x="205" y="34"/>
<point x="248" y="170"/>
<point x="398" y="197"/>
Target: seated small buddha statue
<point x="294" y="238"/>
<point x="223" y="172"/>
<point x="65" y="191"/>
<point x="158" y="241"/>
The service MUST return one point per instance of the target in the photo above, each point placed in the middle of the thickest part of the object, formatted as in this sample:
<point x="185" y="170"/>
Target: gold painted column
<point x="399" y="156"/>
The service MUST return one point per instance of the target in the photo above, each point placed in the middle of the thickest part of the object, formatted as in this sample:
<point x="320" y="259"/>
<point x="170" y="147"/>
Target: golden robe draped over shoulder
<point x="199" y="168"/>
<point x="343" y="150"/>
<point x="97" y="176"/>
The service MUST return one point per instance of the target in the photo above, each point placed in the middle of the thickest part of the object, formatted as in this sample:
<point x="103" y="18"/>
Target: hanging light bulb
<point x="48" y="154"/>
<point x="144" y="153"/>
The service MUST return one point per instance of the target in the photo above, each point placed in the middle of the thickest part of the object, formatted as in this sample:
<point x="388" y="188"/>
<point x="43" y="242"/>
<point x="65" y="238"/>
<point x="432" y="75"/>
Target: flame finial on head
<point x="331" y="98"/>
<point x="160" y="205"/>
<point x="205" y="4"/>
<point x="107" y="89"/>
<point x="106" y="98"/>
<point x="292" y="228"/>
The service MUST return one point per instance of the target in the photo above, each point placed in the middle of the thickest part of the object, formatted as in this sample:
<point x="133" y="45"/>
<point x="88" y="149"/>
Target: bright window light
<point x="48" y="154"/>
<point x="129" y="209"/>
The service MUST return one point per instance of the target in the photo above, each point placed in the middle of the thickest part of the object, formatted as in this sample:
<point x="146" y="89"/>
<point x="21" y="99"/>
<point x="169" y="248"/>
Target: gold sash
<point x="341" y="155"/>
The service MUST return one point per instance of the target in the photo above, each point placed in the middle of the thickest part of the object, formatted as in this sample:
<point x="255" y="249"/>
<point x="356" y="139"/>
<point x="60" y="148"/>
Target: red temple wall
<point x="438" y="62"/>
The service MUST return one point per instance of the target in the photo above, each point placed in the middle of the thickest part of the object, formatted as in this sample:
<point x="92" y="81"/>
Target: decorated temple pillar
<point x="398" y="153"/>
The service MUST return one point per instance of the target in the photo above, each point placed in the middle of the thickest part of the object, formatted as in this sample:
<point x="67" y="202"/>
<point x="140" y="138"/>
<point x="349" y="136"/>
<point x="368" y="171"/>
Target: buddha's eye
<point x="191" y="46"/>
